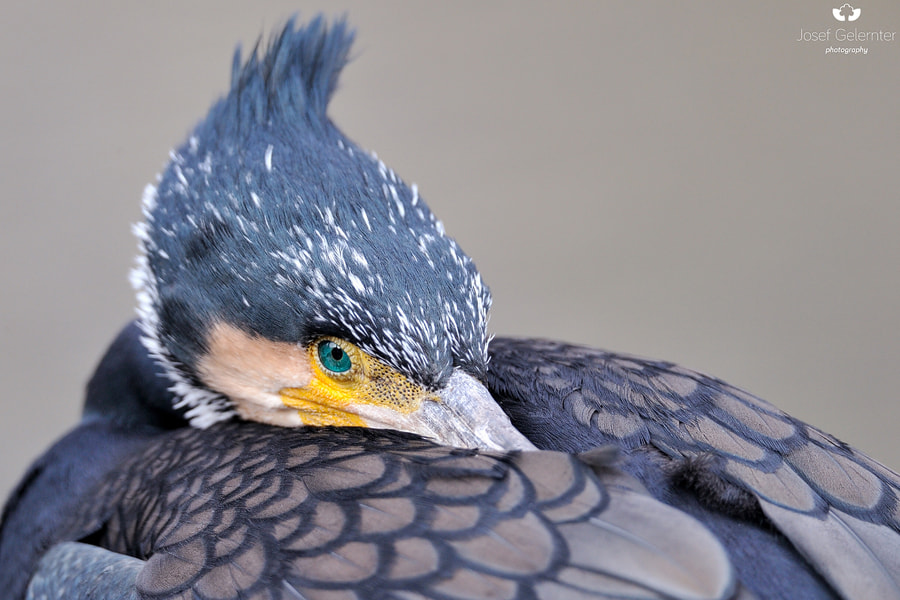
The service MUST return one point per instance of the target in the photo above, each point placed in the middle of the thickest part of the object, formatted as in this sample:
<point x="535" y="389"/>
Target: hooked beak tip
<point x="467" y="415"/>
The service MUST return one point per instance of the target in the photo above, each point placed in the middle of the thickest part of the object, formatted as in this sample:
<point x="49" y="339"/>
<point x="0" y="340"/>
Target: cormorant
<point x="288" y="278"/>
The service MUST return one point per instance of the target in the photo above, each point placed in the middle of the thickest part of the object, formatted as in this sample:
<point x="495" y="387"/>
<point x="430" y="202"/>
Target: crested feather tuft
<point x="294" y="78"/>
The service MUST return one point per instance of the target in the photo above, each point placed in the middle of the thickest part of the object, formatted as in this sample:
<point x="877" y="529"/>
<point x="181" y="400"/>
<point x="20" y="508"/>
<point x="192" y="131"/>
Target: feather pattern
<point x="839" y="508"/>
<point x="247" y="510"/>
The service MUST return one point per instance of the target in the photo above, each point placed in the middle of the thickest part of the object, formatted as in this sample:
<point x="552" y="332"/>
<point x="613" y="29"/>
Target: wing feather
<point x="82" y="572"/>
<point x="247" y="510"/>
<point x="829" y="500"/>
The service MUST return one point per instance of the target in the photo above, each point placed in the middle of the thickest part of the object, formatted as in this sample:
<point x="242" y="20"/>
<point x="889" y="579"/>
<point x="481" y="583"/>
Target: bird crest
<point x="293" y="79"/>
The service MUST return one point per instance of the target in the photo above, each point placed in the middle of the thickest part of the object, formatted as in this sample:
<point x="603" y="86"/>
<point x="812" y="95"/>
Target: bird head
<point x="289" y="277"/>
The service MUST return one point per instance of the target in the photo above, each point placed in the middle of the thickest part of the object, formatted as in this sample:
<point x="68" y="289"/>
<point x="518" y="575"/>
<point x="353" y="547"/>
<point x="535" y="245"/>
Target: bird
<point x="309" y="405"/>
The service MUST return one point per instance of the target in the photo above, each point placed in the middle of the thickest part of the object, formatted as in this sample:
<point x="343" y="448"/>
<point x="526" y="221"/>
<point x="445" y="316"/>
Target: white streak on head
<point x="206" y="165"/>
<point x="180" y="174"/>
<point x="400" y="208"/>
<point x="205" y="407"/>
<point x="357" y="283"/>
<point x="148" y="201"/>
<point x="269" y="158"/>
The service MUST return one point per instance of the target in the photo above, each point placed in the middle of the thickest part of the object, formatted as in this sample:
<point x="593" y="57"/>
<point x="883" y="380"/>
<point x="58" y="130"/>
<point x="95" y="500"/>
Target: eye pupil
<point x="333" y="357"/>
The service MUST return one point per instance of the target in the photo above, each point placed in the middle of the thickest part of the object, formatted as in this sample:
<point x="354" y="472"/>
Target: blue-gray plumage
<point x="288" y="277"/>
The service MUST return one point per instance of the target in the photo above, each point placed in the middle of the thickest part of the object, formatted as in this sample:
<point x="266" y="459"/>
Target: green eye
<point x="333" y="357"/>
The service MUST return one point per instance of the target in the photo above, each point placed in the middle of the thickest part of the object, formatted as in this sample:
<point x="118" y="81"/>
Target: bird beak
<point x="464" y="414"/>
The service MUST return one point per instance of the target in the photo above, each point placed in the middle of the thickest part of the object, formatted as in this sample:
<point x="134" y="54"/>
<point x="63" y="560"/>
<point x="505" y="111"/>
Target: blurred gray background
<point x="680" y="181"/>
